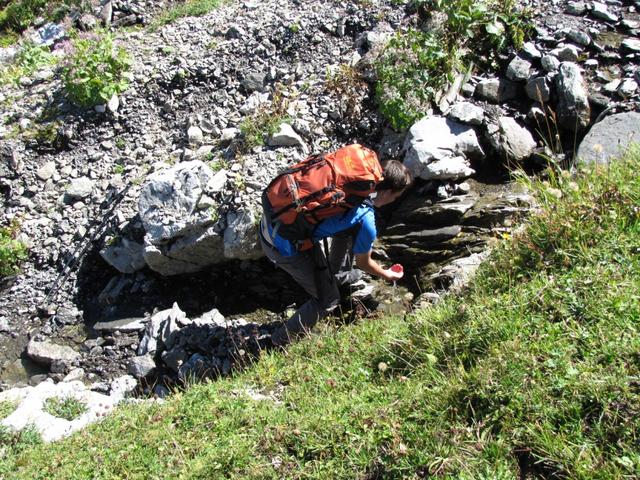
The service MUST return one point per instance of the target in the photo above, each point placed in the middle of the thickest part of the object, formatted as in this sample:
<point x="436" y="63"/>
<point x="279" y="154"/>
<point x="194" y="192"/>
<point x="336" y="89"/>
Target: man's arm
<point x="366" y="263"/>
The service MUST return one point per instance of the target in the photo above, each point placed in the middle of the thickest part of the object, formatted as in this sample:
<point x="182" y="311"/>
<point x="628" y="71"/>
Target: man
<point x="352" y="234"/>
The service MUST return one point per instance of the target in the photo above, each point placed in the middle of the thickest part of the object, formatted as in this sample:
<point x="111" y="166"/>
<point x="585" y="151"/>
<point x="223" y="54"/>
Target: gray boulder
<point x="181" y="235"/>
<point x="574" y="112"/>
<point x="610" y="138"/>
<point x="538" y="89"/>
<point x="126" y="256"/>
<point x="241" y="235"/>
<point x="467" y="112"/>
<point x="513" y="142"/>
<point x="285" y="137"/>
<point x="496" y="90"/>
<point x="438" y="148"/>
<point x="518" y="69"/>
<point x="79" y="188"/>
<point x="46" y="353"/>
<point x="48" y="34"/>
<point x="141" y="366"/>
<point x="156" y="329"/>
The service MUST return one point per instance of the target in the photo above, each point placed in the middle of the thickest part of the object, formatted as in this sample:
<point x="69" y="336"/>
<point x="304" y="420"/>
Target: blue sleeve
<point x="284" y="246"/>
<point x="363" y="243"/>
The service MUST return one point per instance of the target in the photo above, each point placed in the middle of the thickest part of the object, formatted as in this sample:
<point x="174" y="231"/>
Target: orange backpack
<point x="320" y="187"/>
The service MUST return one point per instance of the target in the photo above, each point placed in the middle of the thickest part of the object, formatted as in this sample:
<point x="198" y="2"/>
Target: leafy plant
<point x="414" y="67"/>
<point x="419" y="64"/>
<point x="6" y="408"/>
<point x="18" y="15"/>
<point x="12" y="252"/>
<point x="218" y="164"/>
<point x="264" y="122"/>
<point x="95" y="71"/>
<point x="68" y="408"/>
<point x="29" y="60"/>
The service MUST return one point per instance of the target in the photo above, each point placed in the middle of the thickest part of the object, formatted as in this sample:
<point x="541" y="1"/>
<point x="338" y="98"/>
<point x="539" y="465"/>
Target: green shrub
<point x="413" y="69"/>
<point x="18" y="15"/>
<point x="95" y="71"/>
<point x="419" y="64"/>
<point x="12" y="251"/>
<point x="67" y="408"/>
<point x="29" y="60"/>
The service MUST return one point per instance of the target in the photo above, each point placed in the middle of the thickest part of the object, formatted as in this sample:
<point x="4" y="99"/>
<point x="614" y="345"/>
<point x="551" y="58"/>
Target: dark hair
<point x="396" y="177"/>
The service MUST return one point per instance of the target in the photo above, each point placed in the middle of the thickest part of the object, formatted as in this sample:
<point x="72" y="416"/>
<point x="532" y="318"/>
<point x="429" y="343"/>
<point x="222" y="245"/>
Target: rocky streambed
<point x="141" y="215"/>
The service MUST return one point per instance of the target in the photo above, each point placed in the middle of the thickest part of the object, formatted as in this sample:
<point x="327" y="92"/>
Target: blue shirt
<point x="361" y="219"/>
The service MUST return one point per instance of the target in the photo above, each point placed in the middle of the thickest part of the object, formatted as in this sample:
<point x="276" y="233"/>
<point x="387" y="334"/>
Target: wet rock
<point x="610" y="138"/>
<point x="459" y="272"/>
<point x="514" y="142"/>
<point x="497" y="90"/>
<point x="574" y="112"/>
<point x="46" y="353"/>
<point x="199" y="366"/>
<point x="438" y="148"/>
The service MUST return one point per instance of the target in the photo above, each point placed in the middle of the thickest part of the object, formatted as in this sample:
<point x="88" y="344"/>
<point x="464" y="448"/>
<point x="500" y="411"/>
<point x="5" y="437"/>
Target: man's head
<point x="396" y="179"/>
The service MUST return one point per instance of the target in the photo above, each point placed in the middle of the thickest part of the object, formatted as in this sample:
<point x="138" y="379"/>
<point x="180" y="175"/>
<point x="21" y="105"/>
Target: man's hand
<point x="366" y="263"/>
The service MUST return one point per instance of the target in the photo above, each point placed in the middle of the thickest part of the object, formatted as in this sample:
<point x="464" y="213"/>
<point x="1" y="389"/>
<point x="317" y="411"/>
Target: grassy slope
<point x="535" y="367"/>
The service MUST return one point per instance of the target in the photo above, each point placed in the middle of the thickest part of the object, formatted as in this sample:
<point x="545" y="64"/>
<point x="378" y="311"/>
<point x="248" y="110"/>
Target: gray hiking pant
<point x="310" y="270"/>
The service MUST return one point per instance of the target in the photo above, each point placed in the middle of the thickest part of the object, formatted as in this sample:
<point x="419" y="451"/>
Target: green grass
<point x="67" y="408"/>
<point x="6" y="408"/>
<point x="534" y="370"/>
<point x="188" y="8"/>
<point x="12" y="252"/>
